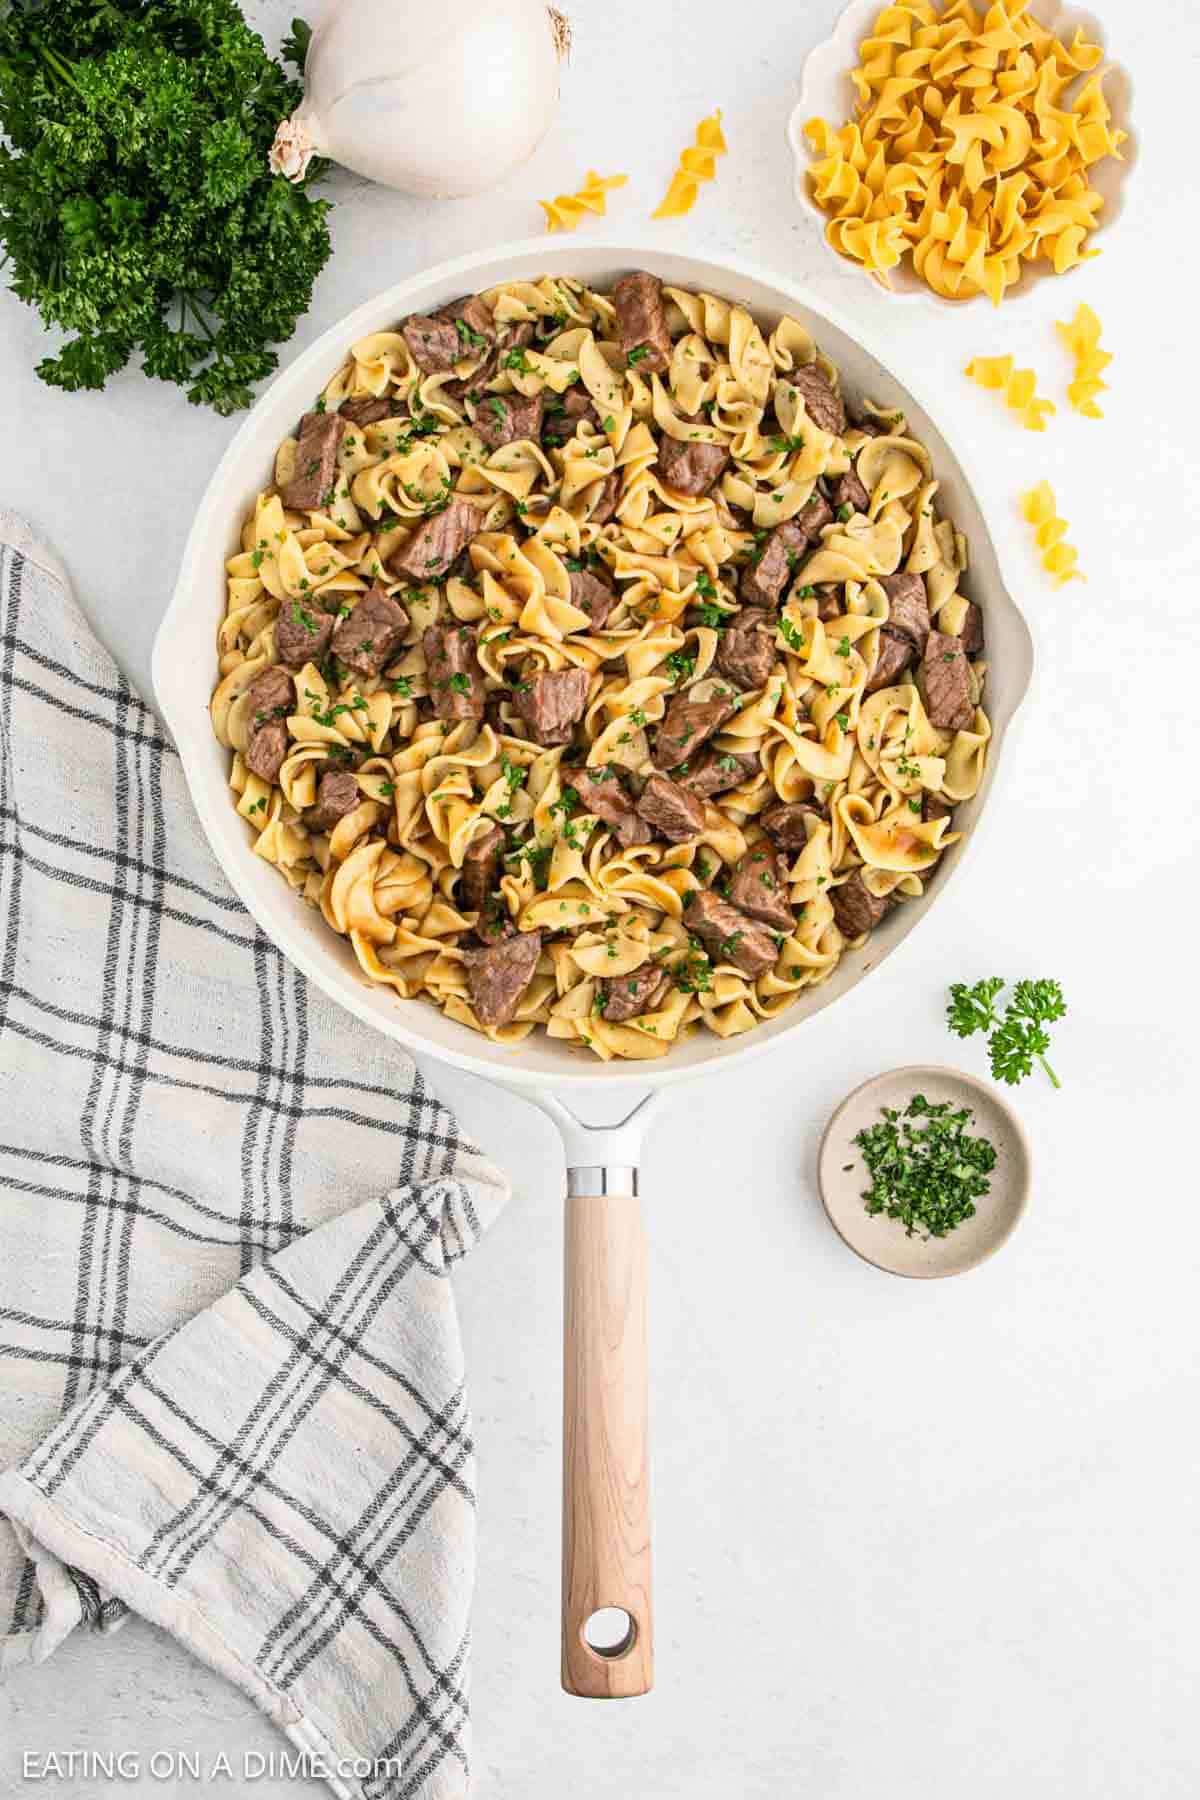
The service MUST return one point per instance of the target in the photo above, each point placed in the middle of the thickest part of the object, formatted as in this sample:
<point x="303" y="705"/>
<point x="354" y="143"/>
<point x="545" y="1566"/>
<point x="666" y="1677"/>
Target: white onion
<point x="435" y="98"/>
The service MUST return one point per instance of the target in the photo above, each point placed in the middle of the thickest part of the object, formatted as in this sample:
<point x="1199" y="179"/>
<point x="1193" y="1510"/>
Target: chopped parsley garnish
<point x="634" y="356"/>
<point x="925" y="1168"/>
<point x="681" y="664"/>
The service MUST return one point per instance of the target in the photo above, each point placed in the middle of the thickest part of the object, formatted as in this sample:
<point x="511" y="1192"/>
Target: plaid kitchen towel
<point x="233" y="1394"/>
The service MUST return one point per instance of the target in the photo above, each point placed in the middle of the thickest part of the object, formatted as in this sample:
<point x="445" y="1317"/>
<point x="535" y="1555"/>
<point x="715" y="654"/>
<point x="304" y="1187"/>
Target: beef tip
<point x="622" y="997"/>
<point x="371" y="633"/>
<point x="759" y="887"/>
<point x="515" y="335"/>
<point x="934" y="807"/>
<point x="855" y="908"/>
<point x="455" y="678"/>
<point x="472" y="319"/>
<point x="315" y="469"/>
<point x="849" y="491"/>
<point x="481" y="866"/>
<point x="499" y="975"/>
<point x="592" y="596"/>
<point x="600" y="792"/>
<point x="642" y="322"/>
<point x="433" y="343"/>
<point x="728" y="934"/>
<point x="563" y="419"/>
<point x="787" y="824"/>
<point x="369" y="411"/>
<point x="893" y="656"/>
<point x="831" y="601"/>
<point x="908" y="608"/>
<point x="551" y="703"/>
<point x="715" y="772"/>
<point x="764" y="579"/>
<point x="438" y="541"/>
<point x="746" y="651"/>
<point x="687" y="725"/>
<point x="337" y="795"/>
<point x="606" y="500"/>
<point x="493" y="922"/>
<point x="265" y="753"/>
<point x="971" y="635"/>
<point x="690" y="466"/>
<point x="270" y="696"/>
<point x="302" y="633"/>
<point x="870" y="427"/>
<point x="674" y="812"/>
<point x="946" y="675"/>
<point x="507" y="418"/>
<point x="823" y="405"/>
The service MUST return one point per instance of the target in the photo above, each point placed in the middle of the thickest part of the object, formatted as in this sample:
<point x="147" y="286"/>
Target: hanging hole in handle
<point x="610" y="1631"/>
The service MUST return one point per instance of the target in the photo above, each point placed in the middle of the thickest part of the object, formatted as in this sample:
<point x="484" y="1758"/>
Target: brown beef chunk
<point x="870" y="427"/>
<point x="908" y="607"/>
<point x="337" y="795"/>
<point x="499" y="975"/>
<point x="315" y="469"/>
<point x="746" y="651"/>
<point x="563" y="419"/>
<point x="823" y="405"/>
<point x="814" y="515"/>
<point x="472" y="319"/>
<point x="551" y="703"/>
<point x="267" y="749"/>
<point x="946" y="676"/>
<point x="624" y="997"/>
<point x="715" y="772"/>
<point x="893" y="656"/>
<point x="642" y="322"/>
<point x="728" y="934"/>
<point x="369" y="411"/>
<point x="971" y="635"/>
<point x="934" y="807"/>
<point x="786" y="822"/>
<point x="608" y="800"/>
<point x="481" y="866"/>
<point x="673" y="812"/>
<point x="687" y="725"/>
<point x="302" y="632"/>
<point x="455" y="678"/>
<point x="831" y="601"/>
<point x="849" y="491"/>
<point x="606" y="499"/>
<point x="269" y="699"/>
<point x="764" y="579"/>
<point x="507" y="418"/>
<point x="438" y="541"/>
<point x="592" y="596"/>
<point x="433" y="343"/>
<point x="369" y="636"/>
<point x="759" y="887"/>
<point x="855" y="908"/>
<point x="690" y="466"/>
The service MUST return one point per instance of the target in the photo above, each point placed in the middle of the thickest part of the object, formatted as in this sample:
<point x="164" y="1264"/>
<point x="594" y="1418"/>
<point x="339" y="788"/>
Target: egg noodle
<point x="387" y="875"/>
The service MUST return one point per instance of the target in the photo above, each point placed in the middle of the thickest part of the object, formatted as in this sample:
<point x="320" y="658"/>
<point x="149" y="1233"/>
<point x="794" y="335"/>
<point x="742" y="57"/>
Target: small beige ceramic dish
<point x="826" y="91"/>
<point x="843" y="1178"/>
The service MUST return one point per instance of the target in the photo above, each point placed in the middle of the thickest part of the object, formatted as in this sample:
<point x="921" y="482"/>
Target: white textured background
<point x="913" y="1542"/>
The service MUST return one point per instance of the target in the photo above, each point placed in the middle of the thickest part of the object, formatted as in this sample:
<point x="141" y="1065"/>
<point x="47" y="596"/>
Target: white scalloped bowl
<point x="826" y="91"/>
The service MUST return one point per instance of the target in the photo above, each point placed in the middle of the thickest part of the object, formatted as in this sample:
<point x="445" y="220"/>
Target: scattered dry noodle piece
<point x="696" y="164"/>
<point x="960" y="152"/>
<point x="564" y="212"/>
<point x="1058" y="557"/>
<point x="1019" y="387"/>
<point x="1082" y="338"/>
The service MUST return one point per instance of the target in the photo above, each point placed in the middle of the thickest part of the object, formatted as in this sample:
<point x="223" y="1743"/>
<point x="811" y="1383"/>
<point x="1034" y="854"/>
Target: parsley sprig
<point x="1018" y="1039"/>
<point x="926" y="1169"/>
<point x="136" y="208"/>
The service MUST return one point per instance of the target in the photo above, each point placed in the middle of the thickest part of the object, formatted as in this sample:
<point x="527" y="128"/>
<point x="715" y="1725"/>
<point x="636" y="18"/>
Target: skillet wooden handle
<point x="606" y="1477"/>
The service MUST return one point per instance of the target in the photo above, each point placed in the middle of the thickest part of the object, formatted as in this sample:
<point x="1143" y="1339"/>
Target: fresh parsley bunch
<point x="1020" y="1038"/>
<point x="136" y="206"/>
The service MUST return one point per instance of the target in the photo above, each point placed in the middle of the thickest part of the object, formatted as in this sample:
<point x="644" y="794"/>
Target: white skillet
<point x="601" y="1110"/>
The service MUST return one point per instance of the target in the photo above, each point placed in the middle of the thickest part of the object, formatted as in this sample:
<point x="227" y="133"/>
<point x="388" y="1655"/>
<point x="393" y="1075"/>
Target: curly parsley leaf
<point x="137" y="212"/>
<point x="971" y="1009"/>
<point x="1018" y="1039"/>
